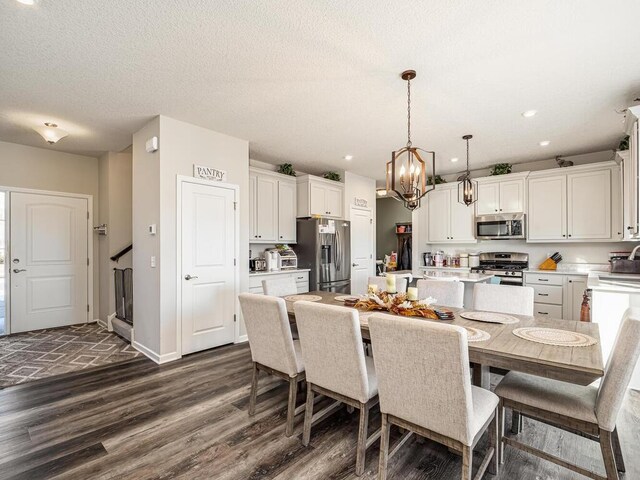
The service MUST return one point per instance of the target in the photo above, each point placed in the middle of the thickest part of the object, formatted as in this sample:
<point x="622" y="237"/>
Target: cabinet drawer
<point x="302" y="287"/>
<point x="547" y="294"/>
<point x="544" y="310"/>
<point x="543" y="279"/>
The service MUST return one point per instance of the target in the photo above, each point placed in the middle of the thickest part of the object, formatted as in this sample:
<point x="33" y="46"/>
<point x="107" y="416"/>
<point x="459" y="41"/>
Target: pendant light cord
<point x="468" y="157"/>
<point x="409" y="112"/>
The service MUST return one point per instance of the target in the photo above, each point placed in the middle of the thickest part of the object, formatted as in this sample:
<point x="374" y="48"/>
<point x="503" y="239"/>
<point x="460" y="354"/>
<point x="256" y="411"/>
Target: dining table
<point x="504" y="350"/>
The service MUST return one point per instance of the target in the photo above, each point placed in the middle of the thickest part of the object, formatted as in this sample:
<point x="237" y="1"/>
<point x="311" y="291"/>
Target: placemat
<point x="489" y="317"/>
<point x="477" y="335"/>
<point x="308" y="298"/>
<point x="553" y="336"/>
<point x="343" y="298"/>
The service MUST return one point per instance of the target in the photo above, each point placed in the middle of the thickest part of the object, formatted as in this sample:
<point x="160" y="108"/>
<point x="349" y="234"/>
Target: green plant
<point x="438" y="179"/>
<point x="332" y="176"/>
<point x="287" y="169"/>
<point x="624" y="143"/>
<point x="501" y="169"/>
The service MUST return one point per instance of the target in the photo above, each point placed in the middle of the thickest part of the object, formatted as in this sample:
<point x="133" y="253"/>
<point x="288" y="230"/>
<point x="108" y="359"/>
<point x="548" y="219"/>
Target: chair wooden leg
<point x="361" y="448"/>
<point x="494" y="441"/>
<point x="467" y="463"/>
<point x="308" y="416"/>
<point x="254" y="389"/>
<point x="617" y="450"/>
<point x="384" y="448"/>
<point x="501" y="415"/>
<point x="291" y="408"/>
<point x="608" y="455"/>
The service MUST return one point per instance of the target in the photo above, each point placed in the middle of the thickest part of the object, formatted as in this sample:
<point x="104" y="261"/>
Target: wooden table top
<point x="580" y="365"/>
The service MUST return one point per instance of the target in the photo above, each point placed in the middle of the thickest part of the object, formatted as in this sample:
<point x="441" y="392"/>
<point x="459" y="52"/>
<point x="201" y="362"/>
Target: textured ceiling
<point x="308" y="82"/>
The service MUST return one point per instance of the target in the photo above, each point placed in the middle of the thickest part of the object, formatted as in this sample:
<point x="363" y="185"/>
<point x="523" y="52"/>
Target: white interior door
<point x="49" y="261"/>
<point x="208" y="276"/>
<point x="361" y="249"/>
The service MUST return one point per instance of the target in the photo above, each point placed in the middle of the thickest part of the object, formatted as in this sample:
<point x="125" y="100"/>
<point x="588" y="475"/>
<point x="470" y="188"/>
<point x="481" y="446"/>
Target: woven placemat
<point x="307" y="298"/>
<point x="489" y="317"/>
<point x="477" y="335"/>
<point x="553" y="336"/>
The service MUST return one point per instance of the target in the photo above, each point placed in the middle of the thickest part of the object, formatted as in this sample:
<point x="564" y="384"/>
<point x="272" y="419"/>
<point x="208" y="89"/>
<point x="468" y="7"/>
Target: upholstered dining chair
<point x="273" y="349"/>
<point x="381" y="283"/>
<point x="589" y="411"/>
<point x="336" y="367"/>
<point x="425" y="388"/>
<point x="279" y="287"/>
<point x="446" y="292"/>
<point x="503" y="298"/>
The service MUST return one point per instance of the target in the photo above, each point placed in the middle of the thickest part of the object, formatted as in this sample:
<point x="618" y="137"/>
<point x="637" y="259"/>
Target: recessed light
<point x="348" y="157"/>
<point x="544" y="143"/>
<point x="27" y="2"/>
<point x="454" y="159"/>
<point x="529" y="113"/>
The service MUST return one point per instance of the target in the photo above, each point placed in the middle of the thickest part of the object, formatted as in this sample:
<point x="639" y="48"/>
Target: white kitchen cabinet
<point x="301" y="278"/>
<point x="581" y="203"/>
<point x="317" y="196"/>
<point x="589" y="205"/>
<point x="501" y="196"/>
<point x="547" y="219"/>
<point x="286" y="212"/>
<point x="448" y="220"/>
<point x="272" y="213"/>
<point x="631" y="186"/>
<point x="574" y="288"/>
<point x="547" y="293"/>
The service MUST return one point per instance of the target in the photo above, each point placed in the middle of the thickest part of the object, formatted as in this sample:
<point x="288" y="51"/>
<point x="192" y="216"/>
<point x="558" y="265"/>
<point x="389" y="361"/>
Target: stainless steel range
<point x="508" y="266"/>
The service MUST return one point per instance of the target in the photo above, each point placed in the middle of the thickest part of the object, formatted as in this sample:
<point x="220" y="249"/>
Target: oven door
<point x="500" y="227"/>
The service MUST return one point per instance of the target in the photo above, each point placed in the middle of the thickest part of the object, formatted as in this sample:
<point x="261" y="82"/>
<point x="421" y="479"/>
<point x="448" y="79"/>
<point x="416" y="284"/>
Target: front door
<point x="208" y="275"/>
<point x="361" y="249"/>
<point x="49" y="262"/>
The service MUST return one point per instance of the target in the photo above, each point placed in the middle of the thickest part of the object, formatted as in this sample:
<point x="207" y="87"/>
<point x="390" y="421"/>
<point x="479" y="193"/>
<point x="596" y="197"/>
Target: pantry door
<point x="362" y="241"/>
<point x="208" y="270"/>
<point x="49" y="258"/>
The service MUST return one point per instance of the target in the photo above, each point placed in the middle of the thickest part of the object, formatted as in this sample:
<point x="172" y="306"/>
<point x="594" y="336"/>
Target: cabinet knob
<point x="496" y="210"/>
<point x="569" y="234"/>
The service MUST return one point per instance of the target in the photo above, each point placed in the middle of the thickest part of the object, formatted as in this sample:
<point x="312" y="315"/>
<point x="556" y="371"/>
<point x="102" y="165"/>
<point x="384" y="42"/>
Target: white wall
<point x="181" y="145"/>
<point x="44" y="169"/>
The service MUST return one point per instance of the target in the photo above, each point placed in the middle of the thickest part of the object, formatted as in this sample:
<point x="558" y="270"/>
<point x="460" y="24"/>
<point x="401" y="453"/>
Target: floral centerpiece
<point x="398" y="304"/>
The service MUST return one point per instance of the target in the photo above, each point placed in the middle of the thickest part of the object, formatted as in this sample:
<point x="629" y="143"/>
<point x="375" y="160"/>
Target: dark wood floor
<point x="188" y="419"/>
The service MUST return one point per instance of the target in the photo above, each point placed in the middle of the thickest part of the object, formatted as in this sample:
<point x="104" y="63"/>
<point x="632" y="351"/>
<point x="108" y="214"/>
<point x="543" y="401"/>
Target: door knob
<point x="18" y="270"/>
<point x="354" y="265"/>
<point x="190" y="277"/>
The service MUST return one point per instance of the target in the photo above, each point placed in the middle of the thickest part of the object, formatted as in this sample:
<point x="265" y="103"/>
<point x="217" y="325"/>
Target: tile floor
<point x="32" y="355"/>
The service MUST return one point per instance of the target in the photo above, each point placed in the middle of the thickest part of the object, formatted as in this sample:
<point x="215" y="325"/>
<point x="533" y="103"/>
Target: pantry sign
<point x="209" y="173"/>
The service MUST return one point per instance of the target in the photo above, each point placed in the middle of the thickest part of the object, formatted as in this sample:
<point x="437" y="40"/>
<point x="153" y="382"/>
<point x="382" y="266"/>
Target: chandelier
<point x="407" y="171"/>
<point x="467" y="188"/>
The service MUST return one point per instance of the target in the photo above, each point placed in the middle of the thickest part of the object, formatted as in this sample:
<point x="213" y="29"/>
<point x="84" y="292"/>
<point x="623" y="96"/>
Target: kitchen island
<point x="468" y="278"/>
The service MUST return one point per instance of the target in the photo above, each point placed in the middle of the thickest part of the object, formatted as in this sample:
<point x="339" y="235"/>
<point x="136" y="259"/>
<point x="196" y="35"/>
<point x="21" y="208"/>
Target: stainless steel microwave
<point x="501" y="227"/>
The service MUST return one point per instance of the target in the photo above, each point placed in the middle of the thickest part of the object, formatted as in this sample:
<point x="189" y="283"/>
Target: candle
<point x="391" y="284"/>
<point x="412" y="293"/>
<point x="372" y="289"/>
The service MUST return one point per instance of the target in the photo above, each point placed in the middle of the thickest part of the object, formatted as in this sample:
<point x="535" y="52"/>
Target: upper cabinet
<point x="501" y="195"/>
<point x="575" y="204"/>
<point x="631" y="189"/>
<point x="272" y="207"/>
<point x="317" y="196"/>
<point x="448" y="220"/>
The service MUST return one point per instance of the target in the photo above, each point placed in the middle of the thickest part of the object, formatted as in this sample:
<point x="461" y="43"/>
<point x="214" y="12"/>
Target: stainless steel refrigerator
<point x="324" y="246"/>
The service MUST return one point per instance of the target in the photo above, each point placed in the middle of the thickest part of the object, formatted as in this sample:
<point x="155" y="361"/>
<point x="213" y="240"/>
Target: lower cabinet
<point x="301" y="278"/>
<point x="557" y="295"/>
<point x="575" y="285"/>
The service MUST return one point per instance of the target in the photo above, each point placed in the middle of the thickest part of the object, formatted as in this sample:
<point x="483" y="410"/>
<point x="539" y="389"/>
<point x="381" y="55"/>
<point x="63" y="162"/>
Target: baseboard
<point x="242" y="339"/>
<point x="159" y="359"/>
<point x="109" y="319"/>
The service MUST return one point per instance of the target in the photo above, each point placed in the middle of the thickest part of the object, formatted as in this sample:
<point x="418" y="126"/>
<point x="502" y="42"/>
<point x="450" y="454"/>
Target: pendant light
<point x="467" y="188"/>
<point x="407" y="171"/>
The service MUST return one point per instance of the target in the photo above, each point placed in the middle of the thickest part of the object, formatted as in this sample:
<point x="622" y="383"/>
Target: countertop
<point x="279" y="272"/>
<point x="573" y="269"/>
<point x="461" y="276"/>
<point x="607" y="282"/>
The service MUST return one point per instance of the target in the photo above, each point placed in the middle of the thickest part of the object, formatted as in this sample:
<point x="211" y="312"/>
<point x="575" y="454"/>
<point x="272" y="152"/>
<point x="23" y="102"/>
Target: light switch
<point x="152" y="229"/>
<point x="153" y="261"/>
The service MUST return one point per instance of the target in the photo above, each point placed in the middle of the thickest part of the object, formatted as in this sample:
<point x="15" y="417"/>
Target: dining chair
<point x="336" y="367"/>
<point x="425" y="388"/>
<point x="503" y="298"/>
<point x="273" y="349"/>
<point x="279" y="287"/>
<point x="446" y="293"/>
<point x="381" y="283"/>
<point x="588" y="411"/>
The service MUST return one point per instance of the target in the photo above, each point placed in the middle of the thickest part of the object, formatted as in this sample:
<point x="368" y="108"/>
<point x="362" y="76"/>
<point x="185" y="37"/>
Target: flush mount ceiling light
<point x="529" y="113"/>
<point x="348" y="157"/>
<point x="407" y="171"/>
<point x="467" y="188"/>
<point x="27" y="2"/>
<point x="544" y="143"/>
<point x="454" y="159"/>
<point x="51" y="133"/>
